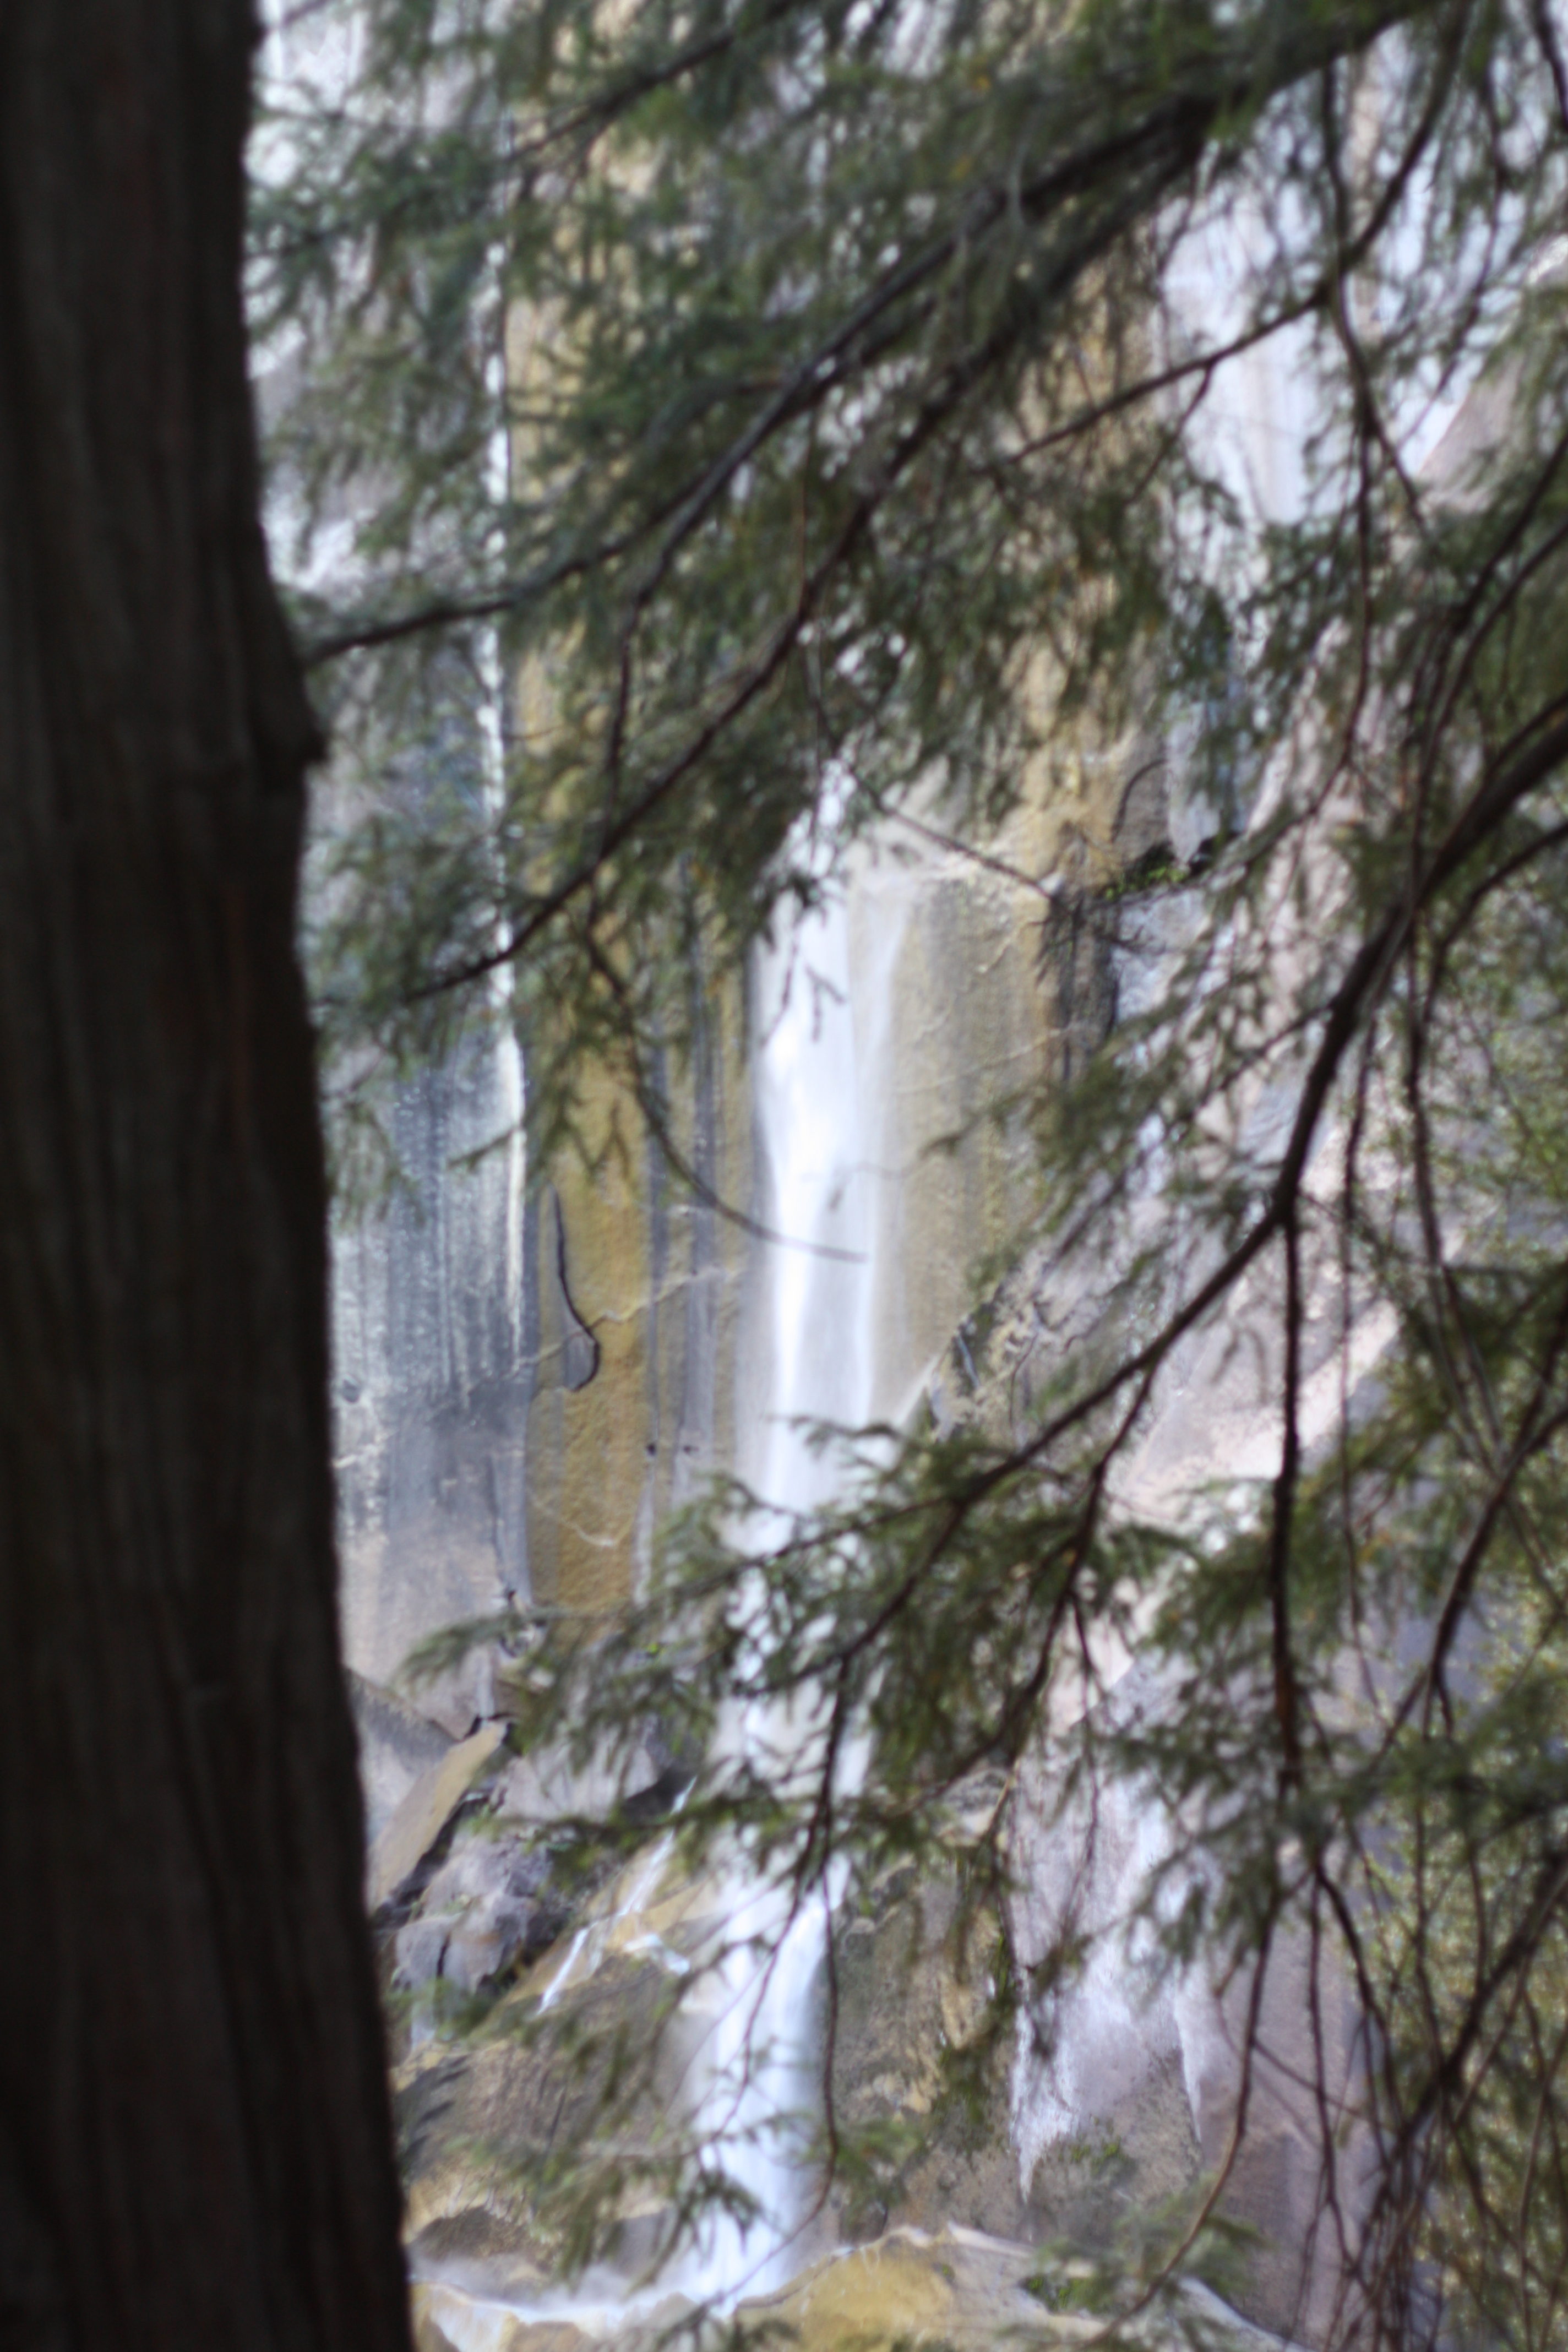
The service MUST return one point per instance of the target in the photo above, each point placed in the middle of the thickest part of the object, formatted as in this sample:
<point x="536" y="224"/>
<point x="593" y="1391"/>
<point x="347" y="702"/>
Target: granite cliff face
<point x="525" y="1382"/>
<point x="431" y="1375"/>
<point x="552" y="1372"/>
<point x="531" y="1377"/>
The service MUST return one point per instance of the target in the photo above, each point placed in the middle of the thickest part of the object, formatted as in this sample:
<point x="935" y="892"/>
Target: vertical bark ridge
<point x="193" y="2140"/>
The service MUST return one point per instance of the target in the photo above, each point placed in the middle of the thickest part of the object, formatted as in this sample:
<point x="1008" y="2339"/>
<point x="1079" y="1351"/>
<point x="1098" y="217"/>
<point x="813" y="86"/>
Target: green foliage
<point x="853" y="446"/>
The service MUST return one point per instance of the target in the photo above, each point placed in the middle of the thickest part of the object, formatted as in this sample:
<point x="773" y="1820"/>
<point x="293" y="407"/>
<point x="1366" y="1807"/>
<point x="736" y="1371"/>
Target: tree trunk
<point x="193" y="2144"/>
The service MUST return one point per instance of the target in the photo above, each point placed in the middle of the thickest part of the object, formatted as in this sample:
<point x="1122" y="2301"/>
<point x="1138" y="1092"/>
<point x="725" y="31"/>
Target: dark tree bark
<point x="193" y="2144"/>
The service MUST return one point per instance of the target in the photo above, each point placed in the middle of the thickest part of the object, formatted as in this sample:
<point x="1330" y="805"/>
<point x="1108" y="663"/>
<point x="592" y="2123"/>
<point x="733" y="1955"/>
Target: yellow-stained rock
<point x="638" y="1287"/>
<point x="954" y="2287"/>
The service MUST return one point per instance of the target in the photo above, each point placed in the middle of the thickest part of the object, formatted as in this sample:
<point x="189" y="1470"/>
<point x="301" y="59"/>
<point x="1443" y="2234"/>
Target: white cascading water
<point x="820" y="1067"/>
<point x="820" y="1078"/>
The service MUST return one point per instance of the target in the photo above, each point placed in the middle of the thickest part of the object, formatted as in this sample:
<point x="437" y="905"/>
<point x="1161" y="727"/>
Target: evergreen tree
<point x="855" y="447"/>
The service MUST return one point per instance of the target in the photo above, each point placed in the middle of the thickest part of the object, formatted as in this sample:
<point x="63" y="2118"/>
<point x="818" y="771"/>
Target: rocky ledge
<point x="954" y="2287"/>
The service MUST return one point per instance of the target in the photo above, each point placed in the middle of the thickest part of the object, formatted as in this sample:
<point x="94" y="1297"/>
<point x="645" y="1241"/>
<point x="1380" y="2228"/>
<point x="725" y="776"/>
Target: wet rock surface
<point x="1065" y="2127"/>
<point x="483" y="2115"/>
<point x="462" y="1878"/>
<point x="953" y="2287"/>
<point x="479" y="2120"/>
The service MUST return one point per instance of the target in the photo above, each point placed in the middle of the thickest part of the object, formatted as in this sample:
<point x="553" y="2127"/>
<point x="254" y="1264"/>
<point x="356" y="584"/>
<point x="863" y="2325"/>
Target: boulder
<point x="425" y="1809"/>
<point x="491" y="1903"/>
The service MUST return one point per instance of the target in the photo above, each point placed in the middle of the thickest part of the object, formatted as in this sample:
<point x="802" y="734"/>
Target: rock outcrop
<point x="397" y="1744"/>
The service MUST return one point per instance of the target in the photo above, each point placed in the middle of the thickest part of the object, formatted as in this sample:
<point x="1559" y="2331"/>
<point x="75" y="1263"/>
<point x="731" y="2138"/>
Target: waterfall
<point x="820" y="1067"/>
<point x="820" y="1070"/>
<point x="823" y="996"/>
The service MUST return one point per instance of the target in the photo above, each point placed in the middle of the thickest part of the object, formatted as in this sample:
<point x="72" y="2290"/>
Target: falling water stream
<point x="820" y="1073"/>
<point x="823" y="998"/>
